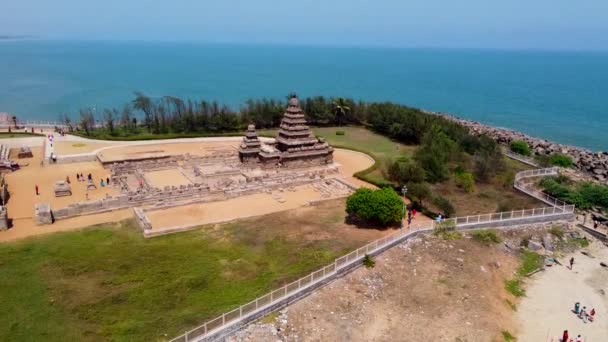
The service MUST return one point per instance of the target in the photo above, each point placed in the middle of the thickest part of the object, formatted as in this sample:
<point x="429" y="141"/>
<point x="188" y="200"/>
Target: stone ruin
<point x="62" y="188"/>
<point x="295" y="144"/>
<point x="42" y="214"/>
<point x="3" y="218"/>
<point x="25" y="152"/>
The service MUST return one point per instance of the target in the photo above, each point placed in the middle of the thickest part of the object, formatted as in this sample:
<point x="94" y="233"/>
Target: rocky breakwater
<point x="594" y="164"/>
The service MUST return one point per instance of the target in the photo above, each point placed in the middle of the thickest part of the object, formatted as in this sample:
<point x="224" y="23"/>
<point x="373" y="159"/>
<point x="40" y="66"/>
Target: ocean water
<point x="561" y="96"/>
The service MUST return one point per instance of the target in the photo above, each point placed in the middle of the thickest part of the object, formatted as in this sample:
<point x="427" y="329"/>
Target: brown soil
<point x="194" y="148"/>
<point x="426" y="290"/>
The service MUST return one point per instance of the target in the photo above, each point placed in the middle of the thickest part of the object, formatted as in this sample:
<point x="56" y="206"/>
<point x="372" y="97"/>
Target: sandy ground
<point x="194" y="148"/>
<point x="162" y="178"/>
<point x="23" y="198"/>
<point x="21" y="185"/>
<point x="352" y="162"/>
<point x="77" y="147"/>
<point x="27" y="227"/>
<point x="424" y="290"/>
<point x="234" y="208"/>
<point x="545" y="311"/>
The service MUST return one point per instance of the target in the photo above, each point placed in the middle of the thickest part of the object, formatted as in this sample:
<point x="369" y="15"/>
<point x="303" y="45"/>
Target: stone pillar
<point x="43" y="214"/>
<point x="3" y="218"/>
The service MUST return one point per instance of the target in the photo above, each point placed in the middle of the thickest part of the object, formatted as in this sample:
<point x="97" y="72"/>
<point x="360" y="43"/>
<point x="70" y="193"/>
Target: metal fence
<point x="265" y="302"/>
<point x="520" y="157"/>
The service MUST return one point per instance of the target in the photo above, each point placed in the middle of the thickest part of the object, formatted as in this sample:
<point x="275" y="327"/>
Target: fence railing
<point x="557" y="208"/>
<point x="520" y="157"/>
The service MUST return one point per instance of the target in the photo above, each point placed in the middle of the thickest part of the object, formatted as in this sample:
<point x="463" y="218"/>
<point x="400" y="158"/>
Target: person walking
<point x="107" y="180"/>
<point x="577" y="307"/>
<point x="78" y="177"/>
<point x="571" y="262"/>
<point x="101" y="183"/>
<point x="579" y="339"/>
<point x="37" y="193"/>
<point x="565" y="336"/>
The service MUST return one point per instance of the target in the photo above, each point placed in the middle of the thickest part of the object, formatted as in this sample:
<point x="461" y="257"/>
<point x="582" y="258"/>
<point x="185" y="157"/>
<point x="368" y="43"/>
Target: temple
<point x="250" y="147"/>
<point x="295" y="144"/>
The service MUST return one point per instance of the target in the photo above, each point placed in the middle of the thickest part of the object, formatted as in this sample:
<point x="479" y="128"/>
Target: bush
<point x="465" y="181"/>
<point x="445" y="205"/>
<point x="340" y="133"/>
<point x="368" y="261"/>
<point x="514" y="286"/>
<point x="486" y="236"/>
<point x="529" y="262"/>
<point x="383" y="206"/>
<point x="583" y="194"/>
<point x="508" y="337"/>
<point x="405" y="171"/>
<point x="558" y="159"/>
<point x="558" y="232"/>
<point x="521" y="147"/>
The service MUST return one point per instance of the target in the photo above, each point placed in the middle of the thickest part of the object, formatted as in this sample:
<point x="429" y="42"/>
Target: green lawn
<point x="109" y="283"/>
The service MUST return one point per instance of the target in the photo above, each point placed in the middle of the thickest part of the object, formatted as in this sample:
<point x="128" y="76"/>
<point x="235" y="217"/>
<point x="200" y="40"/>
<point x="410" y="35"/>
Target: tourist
<point x="583" y="314"/>
<point x="565" y="336"/>
<point x="37" y="193"/>
<point x="108" y="180"/>
<point x="577" y="307"/>
<point x="90" y="177"/>
<point x="414" y="212"/>
<point x="78" y="177"/>
<point x="591" y="315"/>
<point x="594" y="224"/>
<point x="439" y="218"/>
<point x="571" y="262"/>
<point x="579" y="339"/>
<point x="409" y="221"/>
<point x="67" y="179"/>
<point x="101" y="183"/>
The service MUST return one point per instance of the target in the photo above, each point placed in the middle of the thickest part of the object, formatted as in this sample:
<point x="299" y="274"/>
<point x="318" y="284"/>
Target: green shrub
<point x="486" y="236"/>
<point x="558" y="159"/>
<point x="465" y="181"/>
<point x="403" y="171"/>
<point x="444" y="205"/>
<point x="383" y="206"/>
<point x="368" y="261"/>
<point x="448" y="235"/>
<point x="508" y="336"/>
<point x="340" y="133"/>
<point x="514" y="286"/>
<point x="558" y="232"/>
<point x="521" y="147"/>
<point x="529" y="262"/>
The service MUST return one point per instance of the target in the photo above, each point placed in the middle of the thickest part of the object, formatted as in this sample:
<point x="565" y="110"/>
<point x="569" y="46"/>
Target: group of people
<point x="80" y="177"/>
<point x="583" y="313"/>
<point x="567" y="338"/>
<point x="410" y="215"/>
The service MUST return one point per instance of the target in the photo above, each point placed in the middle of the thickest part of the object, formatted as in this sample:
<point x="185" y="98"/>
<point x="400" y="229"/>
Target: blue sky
<point x="519" y="24"/>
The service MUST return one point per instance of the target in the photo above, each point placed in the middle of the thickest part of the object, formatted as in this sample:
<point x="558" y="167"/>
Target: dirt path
<point x="545" y="311"/>
<point x="425" y="290"/>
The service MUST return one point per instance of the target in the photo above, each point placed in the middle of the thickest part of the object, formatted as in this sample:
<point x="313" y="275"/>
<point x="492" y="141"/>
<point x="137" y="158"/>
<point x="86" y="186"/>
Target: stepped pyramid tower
<point x="295" y="144"/>
<point x="250" y="146"/>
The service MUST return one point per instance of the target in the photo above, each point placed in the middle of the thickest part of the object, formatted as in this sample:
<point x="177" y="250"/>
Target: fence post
<point x="501" y="215"/>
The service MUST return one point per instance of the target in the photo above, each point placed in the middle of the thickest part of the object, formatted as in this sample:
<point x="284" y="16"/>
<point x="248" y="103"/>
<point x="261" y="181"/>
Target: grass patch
<point x="110" y="283"/>
<point x="271" y="318"/>
<point x="507" y="336"/>
<point x="368" y="261"/>
<point x="556" y="231"/>
<point x="514" y="287"/>
<point x="486" y="236"/>
<point x="528" y="262"/>
<point x="511" y="305"/>
<point x="448" y="235"/>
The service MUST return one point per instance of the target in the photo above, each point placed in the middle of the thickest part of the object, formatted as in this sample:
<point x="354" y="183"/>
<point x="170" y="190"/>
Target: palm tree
<point x="340" y="109"/>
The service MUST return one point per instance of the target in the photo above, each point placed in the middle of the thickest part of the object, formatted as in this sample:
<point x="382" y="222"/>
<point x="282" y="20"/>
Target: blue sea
<point x="561" y="96"/>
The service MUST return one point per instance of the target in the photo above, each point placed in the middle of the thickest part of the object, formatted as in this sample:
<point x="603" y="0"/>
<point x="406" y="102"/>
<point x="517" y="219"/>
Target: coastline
<point x="593" y="164"/>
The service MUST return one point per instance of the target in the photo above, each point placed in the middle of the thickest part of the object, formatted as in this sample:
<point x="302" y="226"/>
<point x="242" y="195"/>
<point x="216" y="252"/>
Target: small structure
<point x="62" y="188"/>
<point x="43" y="214"/>
<point x="296" y="145"/>
<point x="3" y="218"/>
<point x="250" y="147"/>
<point x="91" y="185"/>
<point x="25" y="152"/>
